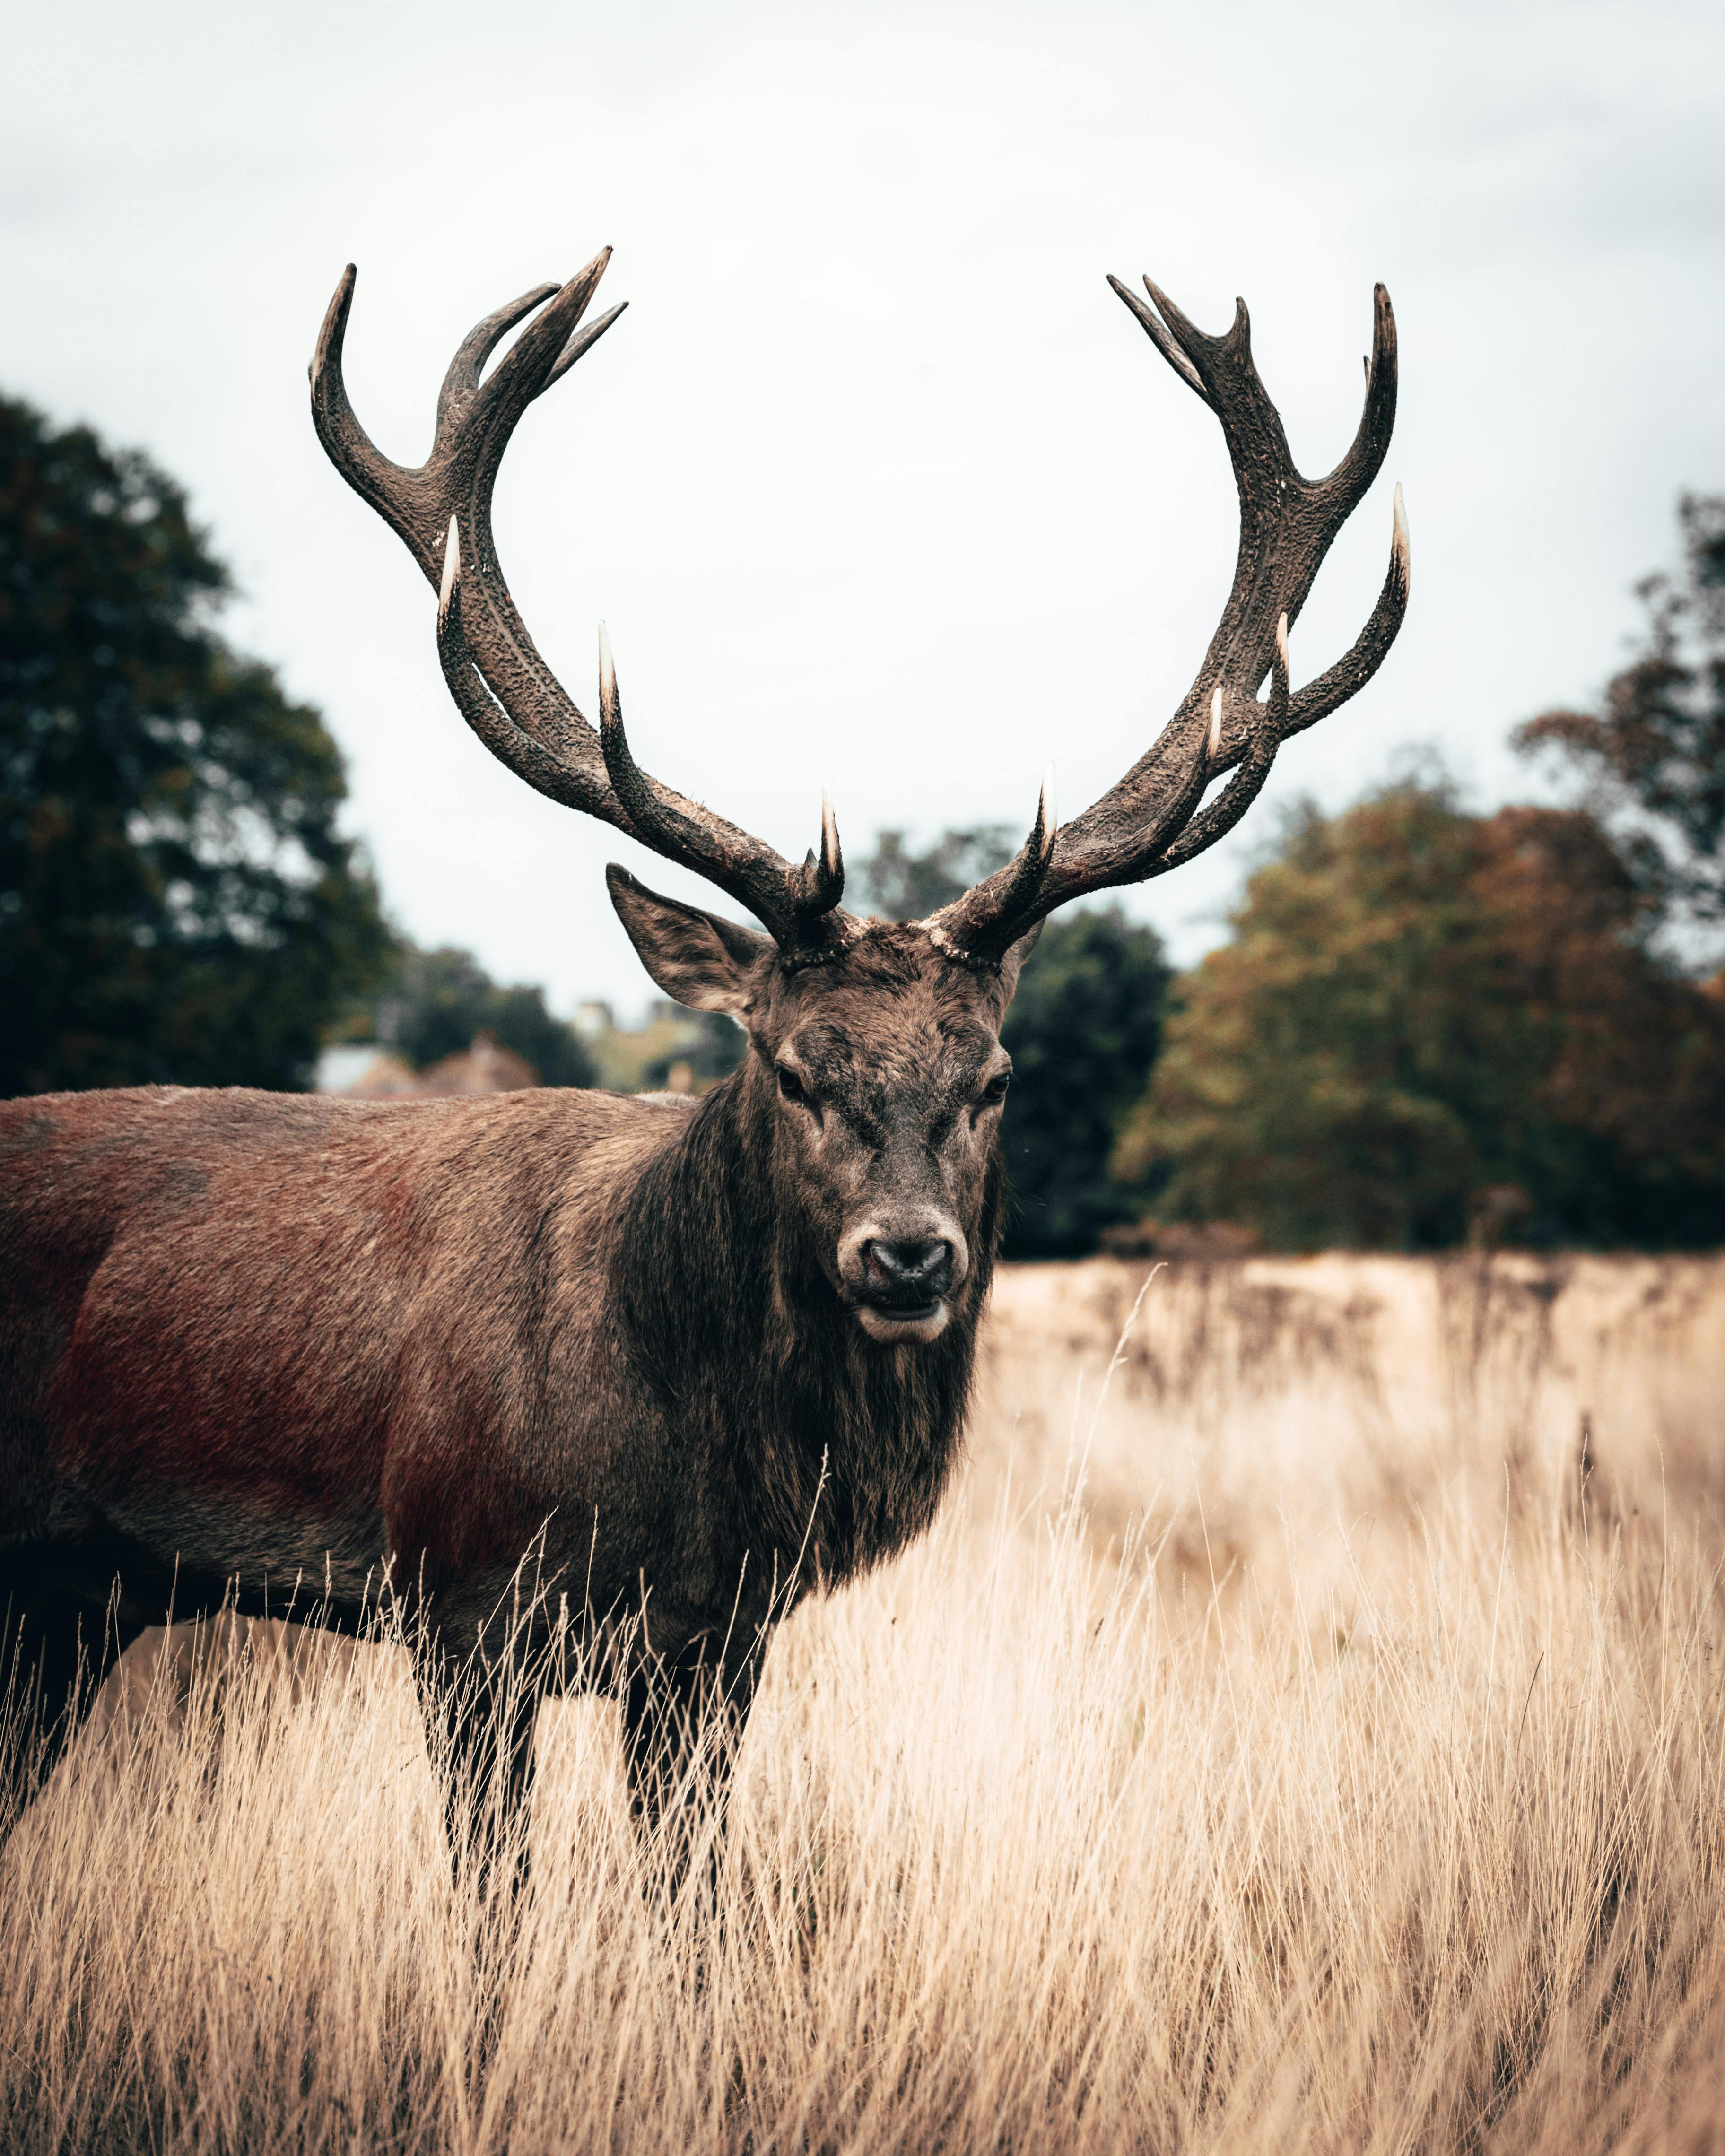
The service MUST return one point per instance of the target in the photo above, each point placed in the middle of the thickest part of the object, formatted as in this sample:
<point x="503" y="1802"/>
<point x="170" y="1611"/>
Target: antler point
<point x="452" y="569"/>
<point x="831" y="858"/>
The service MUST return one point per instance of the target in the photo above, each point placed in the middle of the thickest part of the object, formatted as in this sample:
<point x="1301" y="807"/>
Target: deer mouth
<point x="896" y="1324"/>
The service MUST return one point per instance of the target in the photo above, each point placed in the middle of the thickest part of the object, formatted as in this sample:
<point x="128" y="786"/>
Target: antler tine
<point x="1370" y="445"/>
<point x="476" y="347"/>
<point x="559" y="780"/>
<point x="797" y="906"/>
<point x="499" y="683"/>
<point x="1151" y="820"/>
<point x="1371" y="647"/>
<point x="821" y="875"/>
<point x="349" y="448"/>
<point x="583" y="341"/>
<point x="1026" y="872"/>
<point x="1267" y="734"/>
<point x="452" y="571"/>
<point x="1152" y="325"/>
<point x="979" y="926"/>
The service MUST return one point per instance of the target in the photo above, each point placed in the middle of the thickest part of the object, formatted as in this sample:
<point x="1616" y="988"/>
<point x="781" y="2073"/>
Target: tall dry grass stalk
<point x="1290" y="1749"/>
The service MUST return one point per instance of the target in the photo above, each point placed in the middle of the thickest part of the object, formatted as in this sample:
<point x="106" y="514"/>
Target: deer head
<point x="877" y="1072"/>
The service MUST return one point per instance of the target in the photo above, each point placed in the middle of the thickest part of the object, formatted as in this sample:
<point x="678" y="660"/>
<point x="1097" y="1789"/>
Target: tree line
<point x="1426" y="1024"/>
<point x="1429" y="1024"/>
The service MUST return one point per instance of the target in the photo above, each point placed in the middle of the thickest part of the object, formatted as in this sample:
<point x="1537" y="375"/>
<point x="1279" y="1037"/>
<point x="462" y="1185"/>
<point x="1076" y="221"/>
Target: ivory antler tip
<point x="1215" y="739"/>
<point x="452" y="569"/>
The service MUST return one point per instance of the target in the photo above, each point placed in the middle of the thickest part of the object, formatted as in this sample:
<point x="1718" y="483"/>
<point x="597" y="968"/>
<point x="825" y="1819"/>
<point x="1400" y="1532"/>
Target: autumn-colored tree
<point x="1419" y="1006"/>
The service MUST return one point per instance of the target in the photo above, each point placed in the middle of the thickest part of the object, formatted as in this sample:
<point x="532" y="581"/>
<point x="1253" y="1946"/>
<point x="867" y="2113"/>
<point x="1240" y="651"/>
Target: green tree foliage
<point x="176" y="901"/>
<point x="1657" y="748"/>
<point x="1419" y="1008"/>
<point x="902" y="885"/>
<point x="1083" y="1032"/>
<point x="435" y="1002"/>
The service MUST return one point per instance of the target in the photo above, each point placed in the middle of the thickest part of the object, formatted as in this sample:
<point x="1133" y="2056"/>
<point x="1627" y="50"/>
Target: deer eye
<point x="994" y="1092"/>
<point x="790" y="1084"/>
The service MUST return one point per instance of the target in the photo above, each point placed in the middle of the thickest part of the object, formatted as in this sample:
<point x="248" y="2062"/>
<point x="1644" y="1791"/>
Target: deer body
<point x="464" y="1327"/>
<point x="683" y="1360"/>
<point x="282" y="1351"/>
<point x="422" y="1318"/>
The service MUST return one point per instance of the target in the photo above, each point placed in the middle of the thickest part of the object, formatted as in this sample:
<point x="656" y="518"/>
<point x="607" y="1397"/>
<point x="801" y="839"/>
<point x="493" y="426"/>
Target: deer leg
<point x="481" y="1723"/>
<point x="57" y="1646"/>
<point x="683" y="1720"/>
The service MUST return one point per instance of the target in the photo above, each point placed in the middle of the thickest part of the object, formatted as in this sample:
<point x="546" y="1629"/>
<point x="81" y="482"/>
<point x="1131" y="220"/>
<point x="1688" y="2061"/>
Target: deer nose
<point x="917" y="1272"/>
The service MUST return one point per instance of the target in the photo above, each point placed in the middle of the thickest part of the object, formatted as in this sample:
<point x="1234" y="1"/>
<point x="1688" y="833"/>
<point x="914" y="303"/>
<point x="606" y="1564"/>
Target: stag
<point x="691" y="1359"/>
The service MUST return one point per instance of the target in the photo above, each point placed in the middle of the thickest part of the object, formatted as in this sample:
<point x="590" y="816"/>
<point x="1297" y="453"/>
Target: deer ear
<point x="1016" y="954"/>
<point x="698" y="958"/>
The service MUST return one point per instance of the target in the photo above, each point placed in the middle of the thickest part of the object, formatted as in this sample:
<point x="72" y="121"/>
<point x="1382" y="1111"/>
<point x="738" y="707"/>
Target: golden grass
<point x="1287" y="1750"/>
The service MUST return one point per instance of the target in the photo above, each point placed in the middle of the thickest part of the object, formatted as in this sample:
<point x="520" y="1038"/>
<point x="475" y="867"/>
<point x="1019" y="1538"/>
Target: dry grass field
<point x="1298" y="1736"/>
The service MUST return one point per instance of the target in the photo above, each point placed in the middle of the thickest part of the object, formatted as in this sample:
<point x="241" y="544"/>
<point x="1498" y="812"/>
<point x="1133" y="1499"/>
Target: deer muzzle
<point x="899" y="1277"/>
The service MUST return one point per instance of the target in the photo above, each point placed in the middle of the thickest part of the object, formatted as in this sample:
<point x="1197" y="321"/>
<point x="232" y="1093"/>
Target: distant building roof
<point x="487" y="1067"/>
<point x="386" y="1077"/>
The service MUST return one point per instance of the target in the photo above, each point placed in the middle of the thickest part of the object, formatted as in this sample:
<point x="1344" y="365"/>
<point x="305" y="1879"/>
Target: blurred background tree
<point x="1653" y="757"/>
<point x="901" y="886"/>
<point x="1082" y="1031"/>
<point x="1420" y="1007"/>
<point x="176" y="901"/>
<point x="710" y="1044"/>
<point x="433" y="1003"/>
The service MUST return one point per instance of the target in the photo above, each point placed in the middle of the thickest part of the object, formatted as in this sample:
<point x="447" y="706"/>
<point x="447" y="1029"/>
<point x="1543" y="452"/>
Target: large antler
<point x="1150" y="822"/>
<point x="503" y="688"/>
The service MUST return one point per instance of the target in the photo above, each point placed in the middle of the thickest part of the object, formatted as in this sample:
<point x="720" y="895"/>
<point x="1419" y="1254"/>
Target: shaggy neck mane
<point x="739" y="1330"/>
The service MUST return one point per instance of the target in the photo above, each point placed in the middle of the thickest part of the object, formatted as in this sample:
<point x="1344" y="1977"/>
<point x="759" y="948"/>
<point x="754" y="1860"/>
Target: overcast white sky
<point x="876" y="483"/>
